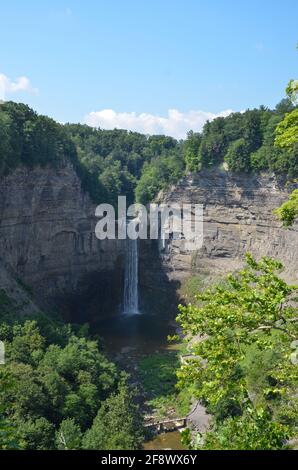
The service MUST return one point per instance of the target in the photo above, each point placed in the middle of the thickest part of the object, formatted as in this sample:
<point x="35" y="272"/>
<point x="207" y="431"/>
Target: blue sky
<point x="147" y="57"/>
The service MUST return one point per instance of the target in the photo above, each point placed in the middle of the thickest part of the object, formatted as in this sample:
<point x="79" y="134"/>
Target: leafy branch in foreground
<point x="243" y="366"/>
<point x="286" y="137"/>
<point x="288" y="211"/>
<point x="287" y="131"/>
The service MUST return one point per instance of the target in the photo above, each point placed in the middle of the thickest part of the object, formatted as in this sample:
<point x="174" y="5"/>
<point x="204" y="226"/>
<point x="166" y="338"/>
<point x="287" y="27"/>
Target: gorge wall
<point x="47" y="234"/>
<point x="237" y="218"/>
<point x="47" y="238"/>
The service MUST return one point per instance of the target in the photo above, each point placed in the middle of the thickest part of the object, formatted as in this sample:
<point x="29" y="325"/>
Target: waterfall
<point x="130" y="297"/>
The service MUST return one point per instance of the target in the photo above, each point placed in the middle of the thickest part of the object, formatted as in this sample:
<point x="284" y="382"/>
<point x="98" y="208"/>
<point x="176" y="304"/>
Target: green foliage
<point x="191" y="151"/>
<point x="287" y="131"/>
<point x="117" y="425"/>
<point x="117" y="162"/>
<point x="116" y="159"/>
<point x="288" y="211"/>
<point x="29" y="139"/>
<point x="7" y="435"/>
<point x="8" y="438"/>
<point x="271" y="157"/>
<point x="157" y="175"/>
<point x="286" y="137"/>
<point x="158" y="378"/>
<point x="191" y="287"/>
<point x="69" y="435"/>
<point x="284" y="106"/>
<point x="36" y="434"/>
<point x="158" y="373"/>
<point x="292" y="90"/>
<point x="245" y="141"/>
<point x="242" y="366"/>
<point x="237" y="156"/>
<point x="213" y="143"/>
<point x="58" y="384"/>
<point x="255" y="430"/>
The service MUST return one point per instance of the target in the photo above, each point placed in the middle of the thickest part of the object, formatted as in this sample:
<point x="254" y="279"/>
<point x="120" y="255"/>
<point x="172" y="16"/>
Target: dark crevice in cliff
<point x="158" y="294"/>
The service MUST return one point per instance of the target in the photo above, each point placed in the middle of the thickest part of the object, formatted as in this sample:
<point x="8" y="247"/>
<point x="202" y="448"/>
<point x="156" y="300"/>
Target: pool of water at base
<point x="166" y="440"/>
<point x="138" y="334"/>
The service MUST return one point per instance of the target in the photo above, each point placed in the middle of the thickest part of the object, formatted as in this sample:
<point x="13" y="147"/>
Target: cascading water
<point x="131" y="297"/>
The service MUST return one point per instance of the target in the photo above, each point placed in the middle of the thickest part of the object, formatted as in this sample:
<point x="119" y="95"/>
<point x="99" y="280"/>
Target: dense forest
<point x="245" y="142"/>
<point x="109" y="163"/>
<point x="118" y="162"/>
<point x="58" y="390"/>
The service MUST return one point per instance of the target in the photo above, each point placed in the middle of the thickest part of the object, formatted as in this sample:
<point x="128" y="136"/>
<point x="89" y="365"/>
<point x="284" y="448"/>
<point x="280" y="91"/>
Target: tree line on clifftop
<point x="119" y="162"/>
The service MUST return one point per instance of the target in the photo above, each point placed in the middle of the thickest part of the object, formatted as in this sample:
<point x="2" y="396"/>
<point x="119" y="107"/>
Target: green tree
<point x="36" y="434"/>
<point x="286" y="137"/>
<point x="237" y="156"/>
<point x="253" y="128"/>
<point x="254" y="308"/>
<point x="287" y="131"/>
<point x="118" y="424"/>
<point x="292" y="90"/>
<point x="213" y="143"/>
<point x="255" y="430"/>
<point x="288" y="211"/>
<point x="5" y="144"/>
<point x="58" y="382"/>
<point x="159" y="174"/>
<point x="8" y="438"/>
<point x="27" y="343"/>
<point x="191" y="151"/>
<point x="69" y="435"/>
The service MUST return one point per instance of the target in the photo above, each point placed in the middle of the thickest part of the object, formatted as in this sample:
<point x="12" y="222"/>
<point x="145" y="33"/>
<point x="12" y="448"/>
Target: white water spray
<point x="131" y="295"/>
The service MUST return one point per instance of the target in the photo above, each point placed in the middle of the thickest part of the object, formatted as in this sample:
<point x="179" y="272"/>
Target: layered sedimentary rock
<point x="47" y="233"/>
<point x="47" y="237"/>
<point x="237" y="218"/>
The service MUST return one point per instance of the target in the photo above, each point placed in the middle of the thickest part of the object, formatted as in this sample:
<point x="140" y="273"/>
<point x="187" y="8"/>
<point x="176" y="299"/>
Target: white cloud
<point x="176" y="123"/>
<point x="8" y="86"/>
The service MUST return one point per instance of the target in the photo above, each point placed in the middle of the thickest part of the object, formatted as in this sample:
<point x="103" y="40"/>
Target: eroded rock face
<point x="47" y="237"/>
<point x="237" y="218"/>
<point x="47" y="231"/>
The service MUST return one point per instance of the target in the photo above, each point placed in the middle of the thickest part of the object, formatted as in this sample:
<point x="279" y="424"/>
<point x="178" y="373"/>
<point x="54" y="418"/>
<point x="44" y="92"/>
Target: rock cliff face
<point x="47" y="232"/>
<point x="47" y="239"/>
<point x="237" y="218"/>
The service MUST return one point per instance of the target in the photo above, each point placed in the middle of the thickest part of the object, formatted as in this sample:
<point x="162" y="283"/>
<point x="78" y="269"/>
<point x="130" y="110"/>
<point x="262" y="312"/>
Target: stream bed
<point x="128" y="338"/>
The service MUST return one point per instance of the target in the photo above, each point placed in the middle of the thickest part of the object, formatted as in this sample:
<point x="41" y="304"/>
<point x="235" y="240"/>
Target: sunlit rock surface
<point x="237" y="218"/>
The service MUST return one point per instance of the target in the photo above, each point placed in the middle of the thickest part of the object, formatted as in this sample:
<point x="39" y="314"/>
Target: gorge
<point x="74" y="292"/>
<point x="48" y="240"/>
